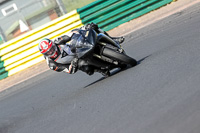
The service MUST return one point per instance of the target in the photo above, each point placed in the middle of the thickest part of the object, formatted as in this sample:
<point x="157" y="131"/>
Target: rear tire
<point x="121" y="57"/>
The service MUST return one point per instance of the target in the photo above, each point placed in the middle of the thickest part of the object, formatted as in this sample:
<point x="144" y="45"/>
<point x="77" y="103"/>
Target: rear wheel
<point x="121" y="57"/>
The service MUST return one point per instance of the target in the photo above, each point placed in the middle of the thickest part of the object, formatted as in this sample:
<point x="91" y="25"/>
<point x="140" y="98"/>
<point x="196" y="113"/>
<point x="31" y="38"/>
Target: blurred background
<point x="20" y="16"/>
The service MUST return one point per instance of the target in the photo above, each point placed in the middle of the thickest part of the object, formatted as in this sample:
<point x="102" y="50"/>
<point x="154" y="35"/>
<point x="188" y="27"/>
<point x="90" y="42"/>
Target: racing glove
<point x="74" y="65"/>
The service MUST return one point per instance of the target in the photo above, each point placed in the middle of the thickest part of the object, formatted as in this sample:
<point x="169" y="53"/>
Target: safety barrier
<point x="109" y="14"/>
<point x="22" y="52"/>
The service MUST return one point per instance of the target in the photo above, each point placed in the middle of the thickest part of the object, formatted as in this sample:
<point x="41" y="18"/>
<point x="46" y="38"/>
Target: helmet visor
<point x="51" y="51"/>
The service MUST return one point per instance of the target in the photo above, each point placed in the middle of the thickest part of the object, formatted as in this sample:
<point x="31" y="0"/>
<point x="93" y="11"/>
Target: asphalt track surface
<point x="160" y="95"/>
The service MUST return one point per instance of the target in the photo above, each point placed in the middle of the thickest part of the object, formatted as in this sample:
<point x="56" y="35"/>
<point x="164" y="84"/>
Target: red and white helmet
<point x="48" y="48"/>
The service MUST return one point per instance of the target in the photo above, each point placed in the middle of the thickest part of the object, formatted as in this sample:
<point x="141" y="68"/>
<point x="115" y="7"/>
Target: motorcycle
<point x="99" y="51"/>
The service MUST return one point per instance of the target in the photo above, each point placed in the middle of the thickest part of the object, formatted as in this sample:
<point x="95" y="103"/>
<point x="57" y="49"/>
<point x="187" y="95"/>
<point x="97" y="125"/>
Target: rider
<point x="60" y="57"/>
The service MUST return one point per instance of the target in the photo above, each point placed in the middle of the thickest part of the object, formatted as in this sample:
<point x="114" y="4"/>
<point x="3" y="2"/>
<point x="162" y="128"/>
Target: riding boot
<point x="119" y="40"/>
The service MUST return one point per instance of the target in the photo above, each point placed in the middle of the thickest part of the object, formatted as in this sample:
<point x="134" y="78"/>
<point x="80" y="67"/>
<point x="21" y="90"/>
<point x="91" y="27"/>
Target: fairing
<point x="84" y="42"/>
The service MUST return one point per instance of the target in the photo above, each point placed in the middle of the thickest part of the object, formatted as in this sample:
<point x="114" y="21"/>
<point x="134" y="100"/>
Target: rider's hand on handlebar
<point x="74" y="62"/>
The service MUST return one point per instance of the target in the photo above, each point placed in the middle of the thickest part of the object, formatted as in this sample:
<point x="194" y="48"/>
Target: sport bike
<point x="99" y="51"/>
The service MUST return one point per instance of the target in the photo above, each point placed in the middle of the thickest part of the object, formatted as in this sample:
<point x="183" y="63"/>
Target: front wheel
<point x="121" y="57"/>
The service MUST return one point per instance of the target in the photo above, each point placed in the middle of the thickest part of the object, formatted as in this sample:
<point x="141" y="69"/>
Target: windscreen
<point x="80" y="42"/>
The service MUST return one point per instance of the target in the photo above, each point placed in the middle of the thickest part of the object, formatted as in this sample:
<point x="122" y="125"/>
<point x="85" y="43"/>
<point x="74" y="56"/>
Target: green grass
<point x="74" y="4"/>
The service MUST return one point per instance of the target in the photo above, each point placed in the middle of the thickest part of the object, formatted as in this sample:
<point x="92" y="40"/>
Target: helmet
<point x="48" y="48"/>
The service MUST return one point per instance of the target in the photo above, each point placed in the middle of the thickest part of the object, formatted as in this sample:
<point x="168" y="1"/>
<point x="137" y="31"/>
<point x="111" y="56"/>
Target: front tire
<point x="121" y="57"/>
